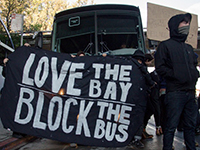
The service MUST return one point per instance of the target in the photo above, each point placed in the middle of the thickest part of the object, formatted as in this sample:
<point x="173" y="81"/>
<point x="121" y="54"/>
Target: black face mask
<point x="184" y="30"/>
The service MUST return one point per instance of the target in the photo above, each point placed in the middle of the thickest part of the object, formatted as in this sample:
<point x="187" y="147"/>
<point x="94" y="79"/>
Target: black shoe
<point x="137" y="143"/>
<point x="18" y="135"/>
<point x="196" y="144"/>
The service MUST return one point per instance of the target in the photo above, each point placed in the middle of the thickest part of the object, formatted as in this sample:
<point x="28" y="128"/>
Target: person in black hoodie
<point x="139" y="57"/>
<point x="176" y="62"/>
<point x="153" y="103"/>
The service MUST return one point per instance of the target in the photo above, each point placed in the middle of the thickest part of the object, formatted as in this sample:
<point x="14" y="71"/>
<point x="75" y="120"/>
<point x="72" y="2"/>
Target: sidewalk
<point x="4" y="134"/>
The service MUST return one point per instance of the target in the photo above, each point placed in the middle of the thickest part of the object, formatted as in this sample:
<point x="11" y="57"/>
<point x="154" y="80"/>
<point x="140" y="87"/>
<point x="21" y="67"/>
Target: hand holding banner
<point x="90" y="100"/>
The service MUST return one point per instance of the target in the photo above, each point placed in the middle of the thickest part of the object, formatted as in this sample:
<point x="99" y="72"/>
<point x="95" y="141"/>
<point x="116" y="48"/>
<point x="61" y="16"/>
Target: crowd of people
<point x="171" y="87"/>
<point x="170" y="94"/>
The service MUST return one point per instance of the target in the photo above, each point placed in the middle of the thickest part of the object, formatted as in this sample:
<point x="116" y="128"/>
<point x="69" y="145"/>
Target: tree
<point x="38" y="14"/>
<point x="9" y="7"/>
<point x="42" y="13"/>
<point x="80" y="3"/>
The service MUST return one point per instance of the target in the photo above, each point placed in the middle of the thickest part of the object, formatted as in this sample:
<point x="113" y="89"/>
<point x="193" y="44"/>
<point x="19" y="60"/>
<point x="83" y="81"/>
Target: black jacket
<point x="176" y="61"/>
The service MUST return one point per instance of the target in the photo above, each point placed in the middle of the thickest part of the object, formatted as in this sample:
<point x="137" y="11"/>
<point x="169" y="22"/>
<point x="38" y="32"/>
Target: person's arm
<point x="195" y="61"/>
<point x="195" y="56"/>
<point x="4" y="67"/>
<point x="163" y="63"/>
<point x="147" y="76"/>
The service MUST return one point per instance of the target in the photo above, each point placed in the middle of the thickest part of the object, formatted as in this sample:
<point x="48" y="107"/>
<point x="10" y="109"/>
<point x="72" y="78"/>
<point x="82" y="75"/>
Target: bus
<point x="114" y="29"/>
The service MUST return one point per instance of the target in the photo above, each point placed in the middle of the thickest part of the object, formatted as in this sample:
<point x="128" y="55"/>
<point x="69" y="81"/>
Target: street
<point x="45" y="144"/>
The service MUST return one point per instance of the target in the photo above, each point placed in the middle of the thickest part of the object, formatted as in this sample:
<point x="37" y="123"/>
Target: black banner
<point x="89" y="100"/>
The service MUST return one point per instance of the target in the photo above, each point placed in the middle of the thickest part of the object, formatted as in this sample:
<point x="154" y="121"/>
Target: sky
<point x="191" y="6"/>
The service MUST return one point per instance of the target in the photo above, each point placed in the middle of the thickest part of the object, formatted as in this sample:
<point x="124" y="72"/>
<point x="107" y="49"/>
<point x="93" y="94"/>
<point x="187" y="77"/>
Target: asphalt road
<point x="150" y="144"/>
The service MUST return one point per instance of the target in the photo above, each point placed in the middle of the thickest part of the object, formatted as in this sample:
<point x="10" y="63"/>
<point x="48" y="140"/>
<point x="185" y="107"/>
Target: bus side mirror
<point x="38" y="36"/>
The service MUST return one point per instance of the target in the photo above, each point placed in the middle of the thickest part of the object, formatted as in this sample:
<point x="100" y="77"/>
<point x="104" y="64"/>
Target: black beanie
<point x="138" y="55"/>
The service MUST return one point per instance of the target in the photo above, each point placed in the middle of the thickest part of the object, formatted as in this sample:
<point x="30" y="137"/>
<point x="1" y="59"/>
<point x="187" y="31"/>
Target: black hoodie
<point x="175" y="60"/>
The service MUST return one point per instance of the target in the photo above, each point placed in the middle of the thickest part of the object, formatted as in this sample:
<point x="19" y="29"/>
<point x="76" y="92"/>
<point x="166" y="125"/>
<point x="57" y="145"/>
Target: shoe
<point x="73" y="145"/>
<point x="137" y="143"/>
<point x="159" y="131"/>
<point x="196" y="144"/>
<point x="173" y="148"/>
<point x="145" y="135"/>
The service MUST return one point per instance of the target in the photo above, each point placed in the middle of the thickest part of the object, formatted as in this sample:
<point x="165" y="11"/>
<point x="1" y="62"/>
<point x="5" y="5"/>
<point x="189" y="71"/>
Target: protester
<point x="176" y="62"/>
<point x="139" y="56"/>
<point x="6" y="59"/>
<point x="153" y="104"/>
<point x="80" y="53"/>
<point x="15" y="134"/>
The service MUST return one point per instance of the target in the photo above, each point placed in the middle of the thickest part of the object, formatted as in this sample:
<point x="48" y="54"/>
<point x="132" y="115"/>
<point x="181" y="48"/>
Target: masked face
<point x="184" y="30"/>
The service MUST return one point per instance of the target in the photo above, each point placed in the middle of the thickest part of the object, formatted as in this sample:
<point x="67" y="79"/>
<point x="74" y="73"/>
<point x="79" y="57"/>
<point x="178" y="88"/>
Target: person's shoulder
<point x="165" y="41"/>
<point x="163" y="44"/>
<point x="188" y="45"/>
<point x="169" y="42"/>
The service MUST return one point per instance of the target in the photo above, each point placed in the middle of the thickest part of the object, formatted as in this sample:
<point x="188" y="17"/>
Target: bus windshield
<point x="97" y="32"/>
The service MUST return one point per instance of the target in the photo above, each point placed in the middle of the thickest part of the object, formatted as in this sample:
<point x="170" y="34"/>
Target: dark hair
<point x="79" y="53"/>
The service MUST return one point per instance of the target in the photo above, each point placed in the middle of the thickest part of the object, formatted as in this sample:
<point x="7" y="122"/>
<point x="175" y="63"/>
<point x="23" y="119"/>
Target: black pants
<point x="179" y="103"/>
<point x="153" y="107"/>
<point x="162" y="111"/>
